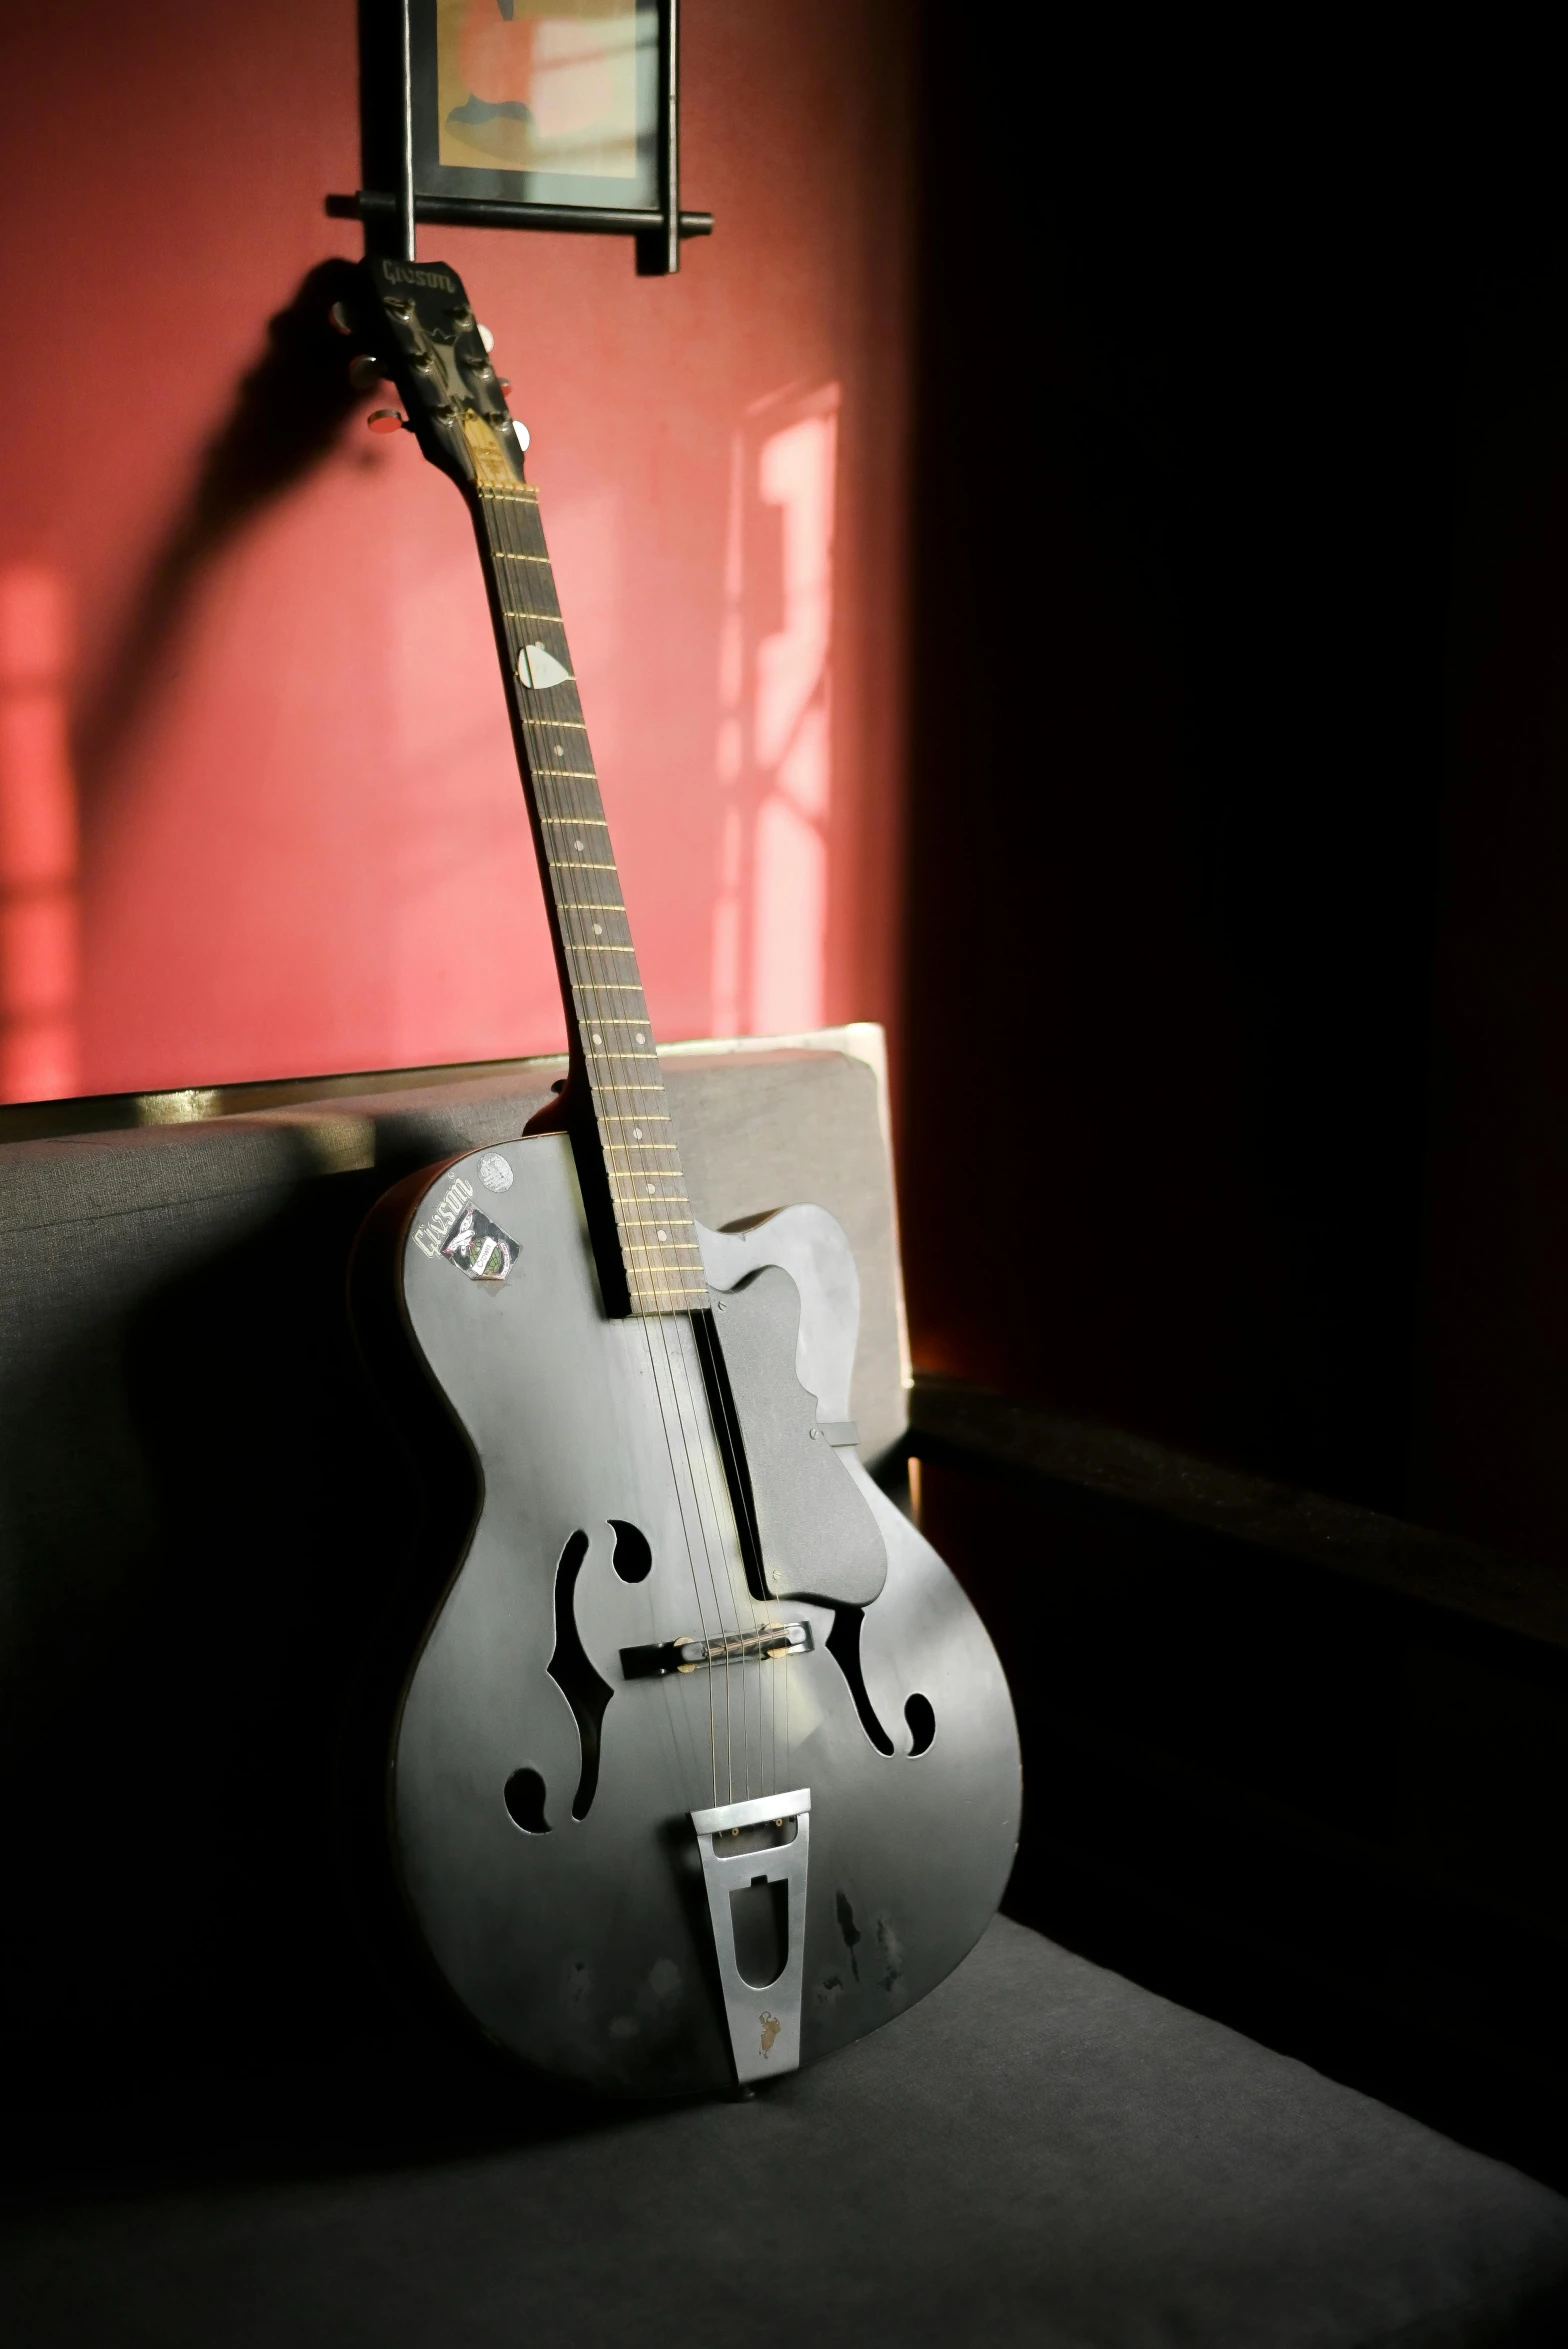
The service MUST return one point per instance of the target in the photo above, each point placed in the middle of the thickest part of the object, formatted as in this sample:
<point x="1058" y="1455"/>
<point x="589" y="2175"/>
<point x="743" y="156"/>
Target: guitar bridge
<point x="773" y="1643"/>
<point x="754" y="1857"/>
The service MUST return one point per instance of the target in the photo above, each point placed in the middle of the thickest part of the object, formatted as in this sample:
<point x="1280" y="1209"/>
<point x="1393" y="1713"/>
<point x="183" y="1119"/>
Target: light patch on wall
<point x="774" y="749"/>
<point x="40" y="947"/>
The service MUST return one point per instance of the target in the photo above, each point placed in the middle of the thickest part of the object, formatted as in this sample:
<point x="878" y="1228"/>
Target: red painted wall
<point x="301" y="845"/>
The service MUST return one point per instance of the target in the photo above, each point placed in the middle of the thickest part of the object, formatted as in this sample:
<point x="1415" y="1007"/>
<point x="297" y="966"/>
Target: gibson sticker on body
<point x="457" y="1230"/>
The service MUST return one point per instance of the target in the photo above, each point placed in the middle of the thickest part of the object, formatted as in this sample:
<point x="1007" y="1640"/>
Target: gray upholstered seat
<point x="198" y="1499"/>
<point x="1040" y="2153"/>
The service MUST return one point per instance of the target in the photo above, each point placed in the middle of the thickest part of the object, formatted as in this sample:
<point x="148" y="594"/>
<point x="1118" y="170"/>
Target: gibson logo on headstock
<point x="400" y="273"/>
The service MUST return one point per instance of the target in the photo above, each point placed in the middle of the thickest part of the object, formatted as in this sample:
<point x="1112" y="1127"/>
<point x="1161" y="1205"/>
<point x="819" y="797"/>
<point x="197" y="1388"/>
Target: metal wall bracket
<point x="763" y="2019"/>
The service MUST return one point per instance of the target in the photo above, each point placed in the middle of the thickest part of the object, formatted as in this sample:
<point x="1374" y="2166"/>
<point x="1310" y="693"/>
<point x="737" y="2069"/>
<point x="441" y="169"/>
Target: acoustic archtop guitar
<point x="704" y="1764"/>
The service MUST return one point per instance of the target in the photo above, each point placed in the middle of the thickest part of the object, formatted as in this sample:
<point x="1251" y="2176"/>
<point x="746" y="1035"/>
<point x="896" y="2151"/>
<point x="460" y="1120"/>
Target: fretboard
<point x="607" y="1013"/>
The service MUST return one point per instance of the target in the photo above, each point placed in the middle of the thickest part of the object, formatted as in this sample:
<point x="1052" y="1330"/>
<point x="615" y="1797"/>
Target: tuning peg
<point x="340" y="318"/>
<point x="364" y="373"/>
<point x="485" y="336"/>
<point x="505" y="382"/>
<point x="387" y="420"/>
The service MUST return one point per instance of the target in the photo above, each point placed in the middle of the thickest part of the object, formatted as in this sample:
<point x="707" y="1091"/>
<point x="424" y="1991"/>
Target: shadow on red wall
<point x="301" y="844"/>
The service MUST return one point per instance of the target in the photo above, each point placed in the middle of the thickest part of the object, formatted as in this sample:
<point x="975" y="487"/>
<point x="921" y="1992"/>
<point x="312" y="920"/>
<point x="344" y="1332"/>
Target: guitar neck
<point x="626" y="1149"/>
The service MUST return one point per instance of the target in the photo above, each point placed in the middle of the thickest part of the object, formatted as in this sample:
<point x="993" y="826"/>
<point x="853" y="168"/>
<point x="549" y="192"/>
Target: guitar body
<point x="541" y="1791"/>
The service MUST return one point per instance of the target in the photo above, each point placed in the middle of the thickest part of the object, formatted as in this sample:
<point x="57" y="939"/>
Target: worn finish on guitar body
<point x="583" y="1946"/>
<point x="682" y="1596"/>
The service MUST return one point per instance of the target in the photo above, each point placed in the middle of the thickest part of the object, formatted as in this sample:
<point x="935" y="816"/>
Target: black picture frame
<point x="407" y="179"/>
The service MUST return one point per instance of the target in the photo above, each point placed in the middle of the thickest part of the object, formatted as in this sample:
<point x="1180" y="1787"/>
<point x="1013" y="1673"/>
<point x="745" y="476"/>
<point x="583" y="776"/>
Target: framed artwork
<point x="536" y="101"/>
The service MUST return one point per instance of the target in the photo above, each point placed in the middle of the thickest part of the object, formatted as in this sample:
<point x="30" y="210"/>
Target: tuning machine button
<point x="387" y="420"/>
<point x="340" y="318"/>
<point x="486" y="337"/>
<point x="364" y="373"/>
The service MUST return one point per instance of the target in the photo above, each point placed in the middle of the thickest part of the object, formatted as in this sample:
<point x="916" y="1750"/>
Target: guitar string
<point x="571" y="917"/>
<point x="696" y="1436"/>
<point x="509" y="513"/>
<point x="582" y="984"/>
<point x="684" y="1389"/>
<point x="502" y="536"/>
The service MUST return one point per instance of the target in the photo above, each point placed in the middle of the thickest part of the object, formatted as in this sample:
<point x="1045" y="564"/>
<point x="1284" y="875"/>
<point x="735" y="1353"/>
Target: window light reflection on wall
<point x="40" y="949"/>
<point x="775" y="727"/>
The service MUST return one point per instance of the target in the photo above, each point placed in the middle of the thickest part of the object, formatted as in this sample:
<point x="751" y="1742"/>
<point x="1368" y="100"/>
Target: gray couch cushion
<point x="1039" y="2153"/>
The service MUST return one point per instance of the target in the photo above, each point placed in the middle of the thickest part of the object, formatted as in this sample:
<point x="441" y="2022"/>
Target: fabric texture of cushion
<point x="1039" y="2153"/>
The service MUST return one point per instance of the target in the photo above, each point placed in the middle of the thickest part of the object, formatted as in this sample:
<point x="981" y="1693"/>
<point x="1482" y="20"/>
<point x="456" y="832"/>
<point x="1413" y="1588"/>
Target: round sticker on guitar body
<point x="495" y="1172"/>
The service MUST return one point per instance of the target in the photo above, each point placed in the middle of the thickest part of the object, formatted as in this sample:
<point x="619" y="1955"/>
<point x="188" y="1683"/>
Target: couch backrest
<point x="201" y="1500"/>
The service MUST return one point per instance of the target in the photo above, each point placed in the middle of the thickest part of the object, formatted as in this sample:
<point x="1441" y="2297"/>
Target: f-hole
<point x="759" y="1920"/>
<point x="843" y="1645"/>
<point x="575" y="1676"/>
<point x="524" y="1794"/>
<point x="633" y="1560"/>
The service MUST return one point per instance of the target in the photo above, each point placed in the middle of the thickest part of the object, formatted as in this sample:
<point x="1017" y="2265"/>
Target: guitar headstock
<point x="417" y="326"/>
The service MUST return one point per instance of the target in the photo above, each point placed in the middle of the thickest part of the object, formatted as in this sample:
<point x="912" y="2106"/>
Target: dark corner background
<point x="1235" y="1044"/>
<point x="1236" y="983"/>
